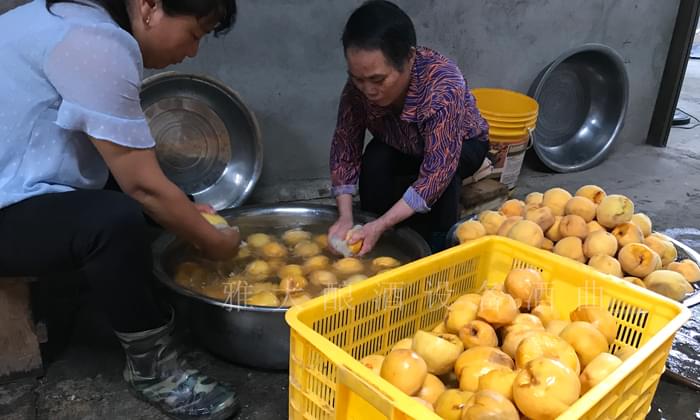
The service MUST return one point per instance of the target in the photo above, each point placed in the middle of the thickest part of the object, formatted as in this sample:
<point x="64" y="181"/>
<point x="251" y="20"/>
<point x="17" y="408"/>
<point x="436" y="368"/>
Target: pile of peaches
<point x="593" y="228"/>
<point x="505" y="353"/>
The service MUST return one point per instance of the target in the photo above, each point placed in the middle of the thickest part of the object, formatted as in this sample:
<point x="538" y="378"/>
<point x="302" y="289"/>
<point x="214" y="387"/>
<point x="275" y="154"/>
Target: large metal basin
<point x="251" y="335"/>
<point x="208" y="141"/>
<point x="583" y="98"/>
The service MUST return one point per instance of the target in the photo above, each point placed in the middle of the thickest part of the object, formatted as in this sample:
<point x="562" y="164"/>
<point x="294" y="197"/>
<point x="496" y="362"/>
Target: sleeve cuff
<point x="126" y="132"/>
<point x="343" y="189"/>
<point x="415" y="201"/>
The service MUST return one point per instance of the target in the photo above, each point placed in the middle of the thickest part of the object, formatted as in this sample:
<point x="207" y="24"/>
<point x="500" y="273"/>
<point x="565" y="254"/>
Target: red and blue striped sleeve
<point x="348" y="141"/>
<point x="443" y="135"/>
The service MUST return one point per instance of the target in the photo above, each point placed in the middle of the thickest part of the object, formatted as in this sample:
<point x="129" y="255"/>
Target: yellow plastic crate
<point x="331" y="333"/>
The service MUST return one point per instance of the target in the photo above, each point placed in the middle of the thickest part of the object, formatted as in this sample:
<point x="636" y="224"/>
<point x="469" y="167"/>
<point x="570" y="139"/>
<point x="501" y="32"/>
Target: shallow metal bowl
<point x="451" y="238"/>
<point x="583" y="98"/>
<point x="207" y="140"/>
<point x="253" y="335"/>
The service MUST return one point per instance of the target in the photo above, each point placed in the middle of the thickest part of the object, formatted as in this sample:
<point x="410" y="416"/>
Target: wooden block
<point x="19" y="346"/>
<point x="487" y="194"/>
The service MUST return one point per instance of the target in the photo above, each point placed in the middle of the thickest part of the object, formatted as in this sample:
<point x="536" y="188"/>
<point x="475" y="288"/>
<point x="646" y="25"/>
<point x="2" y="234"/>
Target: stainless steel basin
<point x="208" y="141"/>
<point x="251" y="335"/>
<point x="583" y="98"/>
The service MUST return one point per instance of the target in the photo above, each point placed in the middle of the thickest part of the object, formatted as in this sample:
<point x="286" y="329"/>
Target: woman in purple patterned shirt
<point x="427" y="132"/>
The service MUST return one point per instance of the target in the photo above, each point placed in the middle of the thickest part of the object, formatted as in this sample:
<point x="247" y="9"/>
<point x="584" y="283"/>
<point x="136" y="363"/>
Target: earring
<point x="148" y="20"/>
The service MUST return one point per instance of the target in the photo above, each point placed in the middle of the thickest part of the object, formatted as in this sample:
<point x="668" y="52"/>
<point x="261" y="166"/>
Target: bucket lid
<point x="504" y="103"/>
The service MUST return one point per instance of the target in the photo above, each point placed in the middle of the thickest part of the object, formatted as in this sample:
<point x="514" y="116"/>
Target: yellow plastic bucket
<point x="512" y="119"/>
<point x="503" y="103"/>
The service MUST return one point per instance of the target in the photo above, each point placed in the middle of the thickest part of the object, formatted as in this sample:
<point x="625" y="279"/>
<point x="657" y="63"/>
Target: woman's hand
<point x="230" y="243"/>
<point x="372" y="231"/>
<point x="344" y="223"/>
<point x="340" y="228"/>
<point x="204" y="208"/>
<point x="229" y="240"/>
<point x="139" y="175"/>
<point x="369" y="234"/>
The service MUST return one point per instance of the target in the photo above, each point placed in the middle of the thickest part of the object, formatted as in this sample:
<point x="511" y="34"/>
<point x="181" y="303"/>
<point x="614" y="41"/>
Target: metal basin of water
<point x="253" y="335"/>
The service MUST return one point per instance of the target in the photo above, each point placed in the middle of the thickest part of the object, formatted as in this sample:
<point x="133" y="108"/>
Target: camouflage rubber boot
<point x="158" y="375"/>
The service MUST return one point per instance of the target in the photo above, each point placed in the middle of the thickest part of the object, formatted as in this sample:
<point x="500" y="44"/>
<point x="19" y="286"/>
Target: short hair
<point x="381" y="25"/>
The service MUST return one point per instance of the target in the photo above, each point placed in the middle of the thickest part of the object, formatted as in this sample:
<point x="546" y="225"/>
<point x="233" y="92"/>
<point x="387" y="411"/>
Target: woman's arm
<point x="372" y="231"/>
<point x="96" y="73"/>
<point x="440" y="160"/>
<point x="346" y="156"/>
<point x="138" y="174"/>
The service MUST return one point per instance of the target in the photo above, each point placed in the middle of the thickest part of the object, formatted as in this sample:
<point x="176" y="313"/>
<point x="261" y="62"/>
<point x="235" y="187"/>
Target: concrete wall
<point x="6" y="5"/>
<point x="284" y="57"/>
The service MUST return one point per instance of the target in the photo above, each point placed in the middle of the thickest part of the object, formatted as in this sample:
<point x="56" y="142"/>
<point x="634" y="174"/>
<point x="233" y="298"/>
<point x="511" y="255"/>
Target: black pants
<point x="101" y="233"/>
<point x="386" y="173"/>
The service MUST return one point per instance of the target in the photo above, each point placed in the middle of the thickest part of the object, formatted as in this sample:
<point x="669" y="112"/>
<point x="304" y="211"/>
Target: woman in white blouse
<point x="70" y="74"/>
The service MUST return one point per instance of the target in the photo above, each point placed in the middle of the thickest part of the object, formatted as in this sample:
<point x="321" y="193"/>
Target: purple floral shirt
<point x="438" y="114"/>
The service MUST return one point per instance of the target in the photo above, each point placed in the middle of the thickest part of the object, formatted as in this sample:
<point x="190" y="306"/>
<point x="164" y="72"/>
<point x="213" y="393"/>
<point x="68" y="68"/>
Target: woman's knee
<point x="377" y="159"/>
<point x="117" y="224"/>
<point x="445" y="211"/>
<point x="472" y="156"/>
<point x="119" y="211"/>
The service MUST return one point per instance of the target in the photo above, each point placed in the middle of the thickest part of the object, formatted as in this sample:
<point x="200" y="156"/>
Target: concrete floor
<point x="83" y="378"/>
